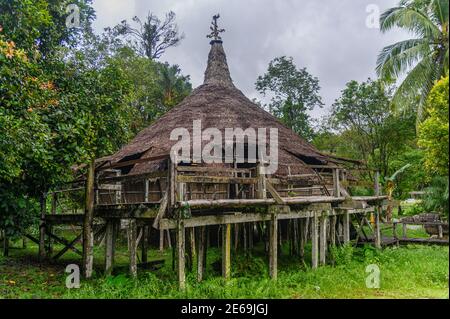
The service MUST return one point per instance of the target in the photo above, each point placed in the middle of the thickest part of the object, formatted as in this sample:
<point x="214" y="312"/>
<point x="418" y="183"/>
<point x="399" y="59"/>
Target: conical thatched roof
<point x="218" y="103"/>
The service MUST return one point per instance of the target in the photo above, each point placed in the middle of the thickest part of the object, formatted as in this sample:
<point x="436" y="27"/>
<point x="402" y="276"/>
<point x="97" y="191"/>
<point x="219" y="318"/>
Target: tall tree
<point x="369" y="130"/>
<point x="152" y="36"/>
<point x="293" y="92"/>
<point x="434" y="130"/>
<point x="424" y="58"/>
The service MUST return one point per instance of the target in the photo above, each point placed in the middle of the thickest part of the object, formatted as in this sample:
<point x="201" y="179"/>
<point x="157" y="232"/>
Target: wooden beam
<point x="274" y="193"/>
<point x="240" y="203"/>
<point x="226" y="251"/>
<point x="88" y="235"/>
<point x="215" y="179"/>
<point x="68" y="246"/>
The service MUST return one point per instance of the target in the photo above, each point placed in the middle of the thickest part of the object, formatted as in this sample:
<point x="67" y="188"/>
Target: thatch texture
<point x="218" y="103"/>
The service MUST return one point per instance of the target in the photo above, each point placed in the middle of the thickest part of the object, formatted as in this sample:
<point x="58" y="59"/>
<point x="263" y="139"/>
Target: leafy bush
<point x="436" y="196"/>
<point x="342" y="254"/>
<point x="411" y="209"/>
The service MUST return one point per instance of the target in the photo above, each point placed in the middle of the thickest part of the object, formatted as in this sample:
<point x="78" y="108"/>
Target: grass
<point x="406" y="272"/>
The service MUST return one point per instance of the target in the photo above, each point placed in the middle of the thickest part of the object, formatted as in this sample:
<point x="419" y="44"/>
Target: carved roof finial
<point x="215" y="31"/>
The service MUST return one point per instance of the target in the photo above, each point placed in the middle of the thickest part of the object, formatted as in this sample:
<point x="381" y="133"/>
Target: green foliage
<point x="406" y="272"/>
<point x="424" y="59"/>
<point x="411" y="209"/>
<point x="293" y="92"/>
<point x="361" y="126"/>
<point x="342" y="255"/>
<point x="436" y="196"/>
<point x="434" y="130"/>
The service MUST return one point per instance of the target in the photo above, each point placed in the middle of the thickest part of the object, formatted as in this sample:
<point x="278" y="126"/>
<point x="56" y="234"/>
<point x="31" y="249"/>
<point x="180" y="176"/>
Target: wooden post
<point x="88" y="235"/>
<point x="404" y="231"/>
<point x="132" y="234"/>
<point x="346" y="227"/>
<point x="201" y="253"/>
<point x="54" y="203"/>
<point x="5" y="245"/>
<point x="333" y="230"/>
<point x="314" y="241"/>
<point x="109" y="246"/>
<point x="377" y="227"/>
<point x="441" y="233"/>
<point x="302" y="238"/>
<point x="336" y="183"/>
<point x="146" y="181"/>
<point x="377" y="235"/>
<point x="144" y="243"/>
<point x="323" y="238"/>
<point x="181" y="255"/>
<point x="394" y="231"/>
<point x="262" y="187"/>
<point x="161" y="240"/>
<point x="226" y="251"/>
<point x="273" y="246"/>
<point x="42" y="226"/>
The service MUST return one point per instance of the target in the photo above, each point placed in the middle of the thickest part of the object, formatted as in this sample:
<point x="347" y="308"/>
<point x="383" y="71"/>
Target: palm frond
<point x="399" y="57"/>
<point x="418" y="82"/>
<point x="411" y="19"/>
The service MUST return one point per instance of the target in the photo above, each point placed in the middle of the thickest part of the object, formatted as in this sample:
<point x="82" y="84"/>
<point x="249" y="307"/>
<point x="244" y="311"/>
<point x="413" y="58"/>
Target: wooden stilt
<point x="323" y="239"/>
<point x="273" y="247"/>
<point x="161" y="240"/>
<point x="42" y="228"/>
<point x="314" y="241"/>
<point x="346" y="227"/>
<point x="144" y="243"/>
<point x="5" y="245"/>
<point x="181" y="255"/>
<point x="377" y="227"/>
<point x="201" y="253"/>
<point x="109" y="247"/>
<point x="132" y="235"/>
<point x="333" y="220"/>
<point x="88" y="234"/>
<point x="302" y="238"/>
<point x="226" y="251"/>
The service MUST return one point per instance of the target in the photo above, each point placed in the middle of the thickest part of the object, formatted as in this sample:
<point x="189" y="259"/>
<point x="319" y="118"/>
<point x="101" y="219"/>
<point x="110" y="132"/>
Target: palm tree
<point x="424" y="59"/>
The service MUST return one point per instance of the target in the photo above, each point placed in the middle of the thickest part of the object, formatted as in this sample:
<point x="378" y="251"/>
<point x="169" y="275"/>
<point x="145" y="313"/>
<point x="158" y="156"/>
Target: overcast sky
<point x="328" y="37"/>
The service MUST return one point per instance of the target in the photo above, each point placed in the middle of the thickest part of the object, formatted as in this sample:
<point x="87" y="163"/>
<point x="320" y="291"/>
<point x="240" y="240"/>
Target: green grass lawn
<point x="406" y="272"/>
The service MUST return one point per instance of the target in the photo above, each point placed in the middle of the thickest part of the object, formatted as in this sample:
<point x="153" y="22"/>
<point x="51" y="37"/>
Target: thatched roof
<point x="218" y="103"/>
